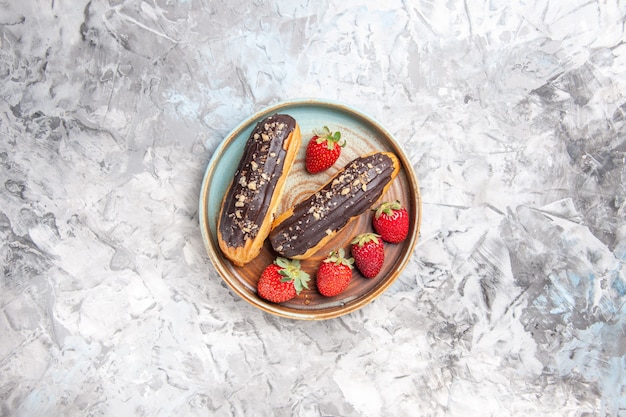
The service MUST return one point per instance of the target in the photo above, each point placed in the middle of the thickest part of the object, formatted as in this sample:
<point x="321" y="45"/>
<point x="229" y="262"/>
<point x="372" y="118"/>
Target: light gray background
<point x="512" y="113"/>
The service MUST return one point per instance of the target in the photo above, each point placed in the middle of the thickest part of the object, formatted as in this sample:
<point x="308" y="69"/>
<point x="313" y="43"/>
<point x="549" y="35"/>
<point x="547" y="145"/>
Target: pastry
<point x="303" y="229"/>
<point x="250" y="203"/>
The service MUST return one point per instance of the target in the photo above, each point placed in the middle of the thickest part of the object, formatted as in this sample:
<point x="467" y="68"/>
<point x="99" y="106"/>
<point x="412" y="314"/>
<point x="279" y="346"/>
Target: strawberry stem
<point x="329" y="137"/>
<point x="292" y="272"/>
<point x="338" y="257"/>
<point x="364" y="238"/>
<point x="387" y="208"/>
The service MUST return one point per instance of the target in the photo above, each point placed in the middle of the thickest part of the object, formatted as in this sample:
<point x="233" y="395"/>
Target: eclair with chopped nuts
<point x="250" y="203"/>
<point x="303" y="229"/>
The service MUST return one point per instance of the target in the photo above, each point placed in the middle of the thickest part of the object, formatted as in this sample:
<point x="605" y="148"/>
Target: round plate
<point x="363" y="135"/>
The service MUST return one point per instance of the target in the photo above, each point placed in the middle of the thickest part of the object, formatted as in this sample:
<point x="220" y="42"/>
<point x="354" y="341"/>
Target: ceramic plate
<point x="363" y="135"/>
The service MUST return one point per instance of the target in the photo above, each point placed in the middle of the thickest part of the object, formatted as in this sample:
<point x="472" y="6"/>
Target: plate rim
<point x="212" y="248"/>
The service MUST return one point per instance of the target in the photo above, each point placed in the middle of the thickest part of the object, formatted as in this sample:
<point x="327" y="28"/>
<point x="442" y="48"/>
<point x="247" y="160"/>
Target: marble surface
<point x="512" y="113"/>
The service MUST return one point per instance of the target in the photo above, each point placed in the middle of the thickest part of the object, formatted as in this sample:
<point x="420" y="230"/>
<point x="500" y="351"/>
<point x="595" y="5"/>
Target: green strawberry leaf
<point x="291" y="272"/>
<point x="387" y="208"/>
<point x="329" y="137"/>
<point x="364" y="238"/>
<point x="338" y="257"/>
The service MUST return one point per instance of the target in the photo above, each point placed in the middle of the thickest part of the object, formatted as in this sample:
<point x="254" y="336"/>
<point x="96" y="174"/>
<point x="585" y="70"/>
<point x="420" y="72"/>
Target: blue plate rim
<point x="212" y="247"/>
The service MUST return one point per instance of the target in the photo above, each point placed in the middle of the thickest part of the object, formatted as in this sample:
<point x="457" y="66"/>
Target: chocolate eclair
<point x="249" y="205"/>
<point x="303" y="229"/>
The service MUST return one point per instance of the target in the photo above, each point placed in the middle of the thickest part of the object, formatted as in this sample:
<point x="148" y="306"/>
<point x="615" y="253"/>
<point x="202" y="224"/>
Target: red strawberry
<point x="323" y="150"/>
<point x="334" y="273"/>
<point x="282" y="280"/>
<point x="391" y="222"/>
<point x="369" y="254"/>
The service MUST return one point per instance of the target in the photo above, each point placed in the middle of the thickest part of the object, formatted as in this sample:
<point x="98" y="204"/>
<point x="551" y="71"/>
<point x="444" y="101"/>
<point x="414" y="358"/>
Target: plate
<point x="363" y="135"/>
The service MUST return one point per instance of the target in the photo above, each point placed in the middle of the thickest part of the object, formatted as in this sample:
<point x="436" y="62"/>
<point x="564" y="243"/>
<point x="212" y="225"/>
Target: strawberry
<point x="369" y="254"/>
<point x="323" y="150"/>
<point x="282" y="280"/>
<point x="334" y="273"/>
<point x="391" y="221"/>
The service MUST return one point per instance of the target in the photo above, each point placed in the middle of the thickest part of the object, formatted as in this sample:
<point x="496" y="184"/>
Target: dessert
<point x="304" y="228"/>
<point x="249" y="205"/>
<point x="368" y="251"/>
<point x="323" y="150"/>
<point x="282" y="281"/>
<point x="334" y="273"/>
<point x="391" y="221"/>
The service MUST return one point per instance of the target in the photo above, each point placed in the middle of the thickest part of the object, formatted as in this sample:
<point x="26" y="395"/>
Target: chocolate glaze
<point x="248" y="198"/>
<point x="349" y="193"/>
